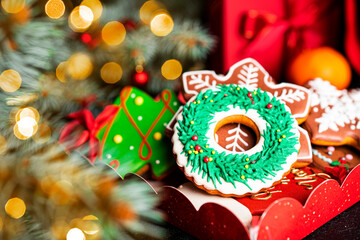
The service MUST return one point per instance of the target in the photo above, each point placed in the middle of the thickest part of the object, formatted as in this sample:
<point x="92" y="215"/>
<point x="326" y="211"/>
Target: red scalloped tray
<point x="285" y="218"/>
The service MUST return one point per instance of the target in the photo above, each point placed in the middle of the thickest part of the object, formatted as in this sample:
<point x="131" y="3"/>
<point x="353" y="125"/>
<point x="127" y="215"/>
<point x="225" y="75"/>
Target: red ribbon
<point x="86" y="119"/>
<point x="264" y="30"/>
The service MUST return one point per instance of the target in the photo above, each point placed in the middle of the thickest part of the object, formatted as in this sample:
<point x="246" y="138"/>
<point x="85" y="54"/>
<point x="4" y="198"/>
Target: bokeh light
<point x="171" y="69"/>
<point x="95" y="6"/>
<point x="90" y="225"/>
<point x="61" y="72"/>
<point x="80" y="18"/>
<point x="3" y="144"/>
<point x="25" y="128"/>
<point x="26" y="122"/>
<point x="147" y="11"/>
<point x="162" y="24"/>
<point x="27" y="112"/>
<point x="55" y="8"/>
<point x="15" y="208"/>
<point x="113" y="33"/>
<point x="75" y="234"/>
<point x="10" y="80"/>
<point x="111" y="72"/>
<point x="43" y="134"/>
<point x="79" y="66"/>
<point x="13" y="6"/>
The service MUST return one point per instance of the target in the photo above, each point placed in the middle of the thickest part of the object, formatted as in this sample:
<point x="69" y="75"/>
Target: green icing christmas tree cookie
<point x="135" y="138"/>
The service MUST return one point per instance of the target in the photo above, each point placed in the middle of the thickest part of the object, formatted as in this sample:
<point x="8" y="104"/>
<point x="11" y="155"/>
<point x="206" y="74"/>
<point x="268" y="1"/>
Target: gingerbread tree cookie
<point x="334" y="116"/>
<point x="134" y="139"/>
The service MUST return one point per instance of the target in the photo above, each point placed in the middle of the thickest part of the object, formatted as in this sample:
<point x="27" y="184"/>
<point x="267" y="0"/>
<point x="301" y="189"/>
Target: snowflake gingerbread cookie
<point x="334" y="118"/>
<point x="248" y="73"/>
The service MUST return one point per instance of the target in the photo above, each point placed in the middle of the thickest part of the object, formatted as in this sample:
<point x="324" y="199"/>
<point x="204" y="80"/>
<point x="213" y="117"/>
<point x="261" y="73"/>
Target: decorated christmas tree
<point x="58" y="57"/>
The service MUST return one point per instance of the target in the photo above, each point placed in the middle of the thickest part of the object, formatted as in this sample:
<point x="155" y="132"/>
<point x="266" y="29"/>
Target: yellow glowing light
<point x="147" y="11"/>
<point x="90" y="225"/>
<point x="111" y="72"/>
<point x="27" y="112"/>
<point x="113" y="33"/>
<point x="3" y="144"/>
<point x="80" y="18"/>
<point x="13" y="6"/>
<point x="10" y="80"/>
<point x="25" y="128"/>
<point x="15" y="208"/>
<point x="171" y="69"/>
<point x="162" y="24"/>
<point x="43" y="134"/>
<point x="79" y="66"/>
<point x="75" y="234"/>
<point x="55" y="8"/>
<point x="61" y="71"/>
<point x="95" y="6"/>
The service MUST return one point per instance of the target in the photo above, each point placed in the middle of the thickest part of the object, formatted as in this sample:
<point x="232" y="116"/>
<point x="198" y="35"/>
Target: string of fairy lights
<point x="27" y="120"/>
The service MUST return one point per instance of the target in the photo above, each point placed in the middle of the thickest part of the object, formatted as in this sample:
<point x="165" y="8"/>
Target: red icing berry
<point x="249" y="94"/>
<point x="197" y="148"/>
<point x="253" y="161"/>
<point x="206" y="159"/>
<point x="225" y="95"/>
<point x="342" y="160"/>
<point x="194" y="138"/>
<point x="269" y="106"/>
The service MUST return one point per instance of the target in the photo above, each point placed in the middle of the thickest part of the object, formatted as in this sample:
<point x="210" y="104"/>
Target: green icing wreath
<point x="278" y="145"/>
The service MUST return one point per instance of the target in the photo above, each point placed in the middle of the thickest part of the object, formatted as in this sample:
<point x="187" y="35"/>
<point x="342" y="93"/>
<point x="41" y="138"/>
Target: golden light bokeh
<point x="15" y="208"/>
<point x="61" y="192"/>
<point x="113" y="33"/>
<point x="26" y="122"/>
<point x="75" y="234"/>
<point x="111" y="72"/>
<point x="162" y="24"/>
<point x="79" y="66"/>
<point x="43" y="134"/>
<point x="10" y="80"/>
<point x="61" y="72"/>
<point x="13" y="6"/>
<point x="1" y="224"/>
<point x="95" y="6"/>
<point x="171" y="69"/>
<point x="90" y="225"/>
<point x="147" y="11"/>
<point x="27" y="112"/>
<point x="25" y="128"/>
<point x="3" y="144"/>
<point x="55" y="9"/>
<point x="80" y="18"/>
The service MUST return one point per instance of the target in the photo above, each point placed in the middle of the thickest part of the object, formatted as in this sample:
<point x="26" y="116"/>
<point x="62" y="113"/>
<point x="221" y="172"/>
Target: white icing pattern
<point x="340" y="107"/>
<point x="235" y="136"/>
<point x="248" y="76"/>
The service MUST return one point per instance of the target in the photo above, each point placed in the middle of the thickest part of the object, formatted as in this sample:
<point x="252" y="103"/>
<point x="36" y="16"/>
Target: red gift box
<point x="272" y="32"/>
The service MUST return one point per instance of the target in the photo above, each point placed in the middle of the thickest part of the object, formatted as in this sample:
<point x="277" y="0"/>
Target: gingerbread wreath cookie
<point x="219" y="171"/>
<point x="334" y="116"/>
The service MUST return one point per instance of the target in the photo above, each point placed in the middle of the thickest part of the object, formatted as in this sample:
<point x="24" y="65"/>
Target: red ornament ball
<point x="197" y="148"/>
<point x="249" y="94"/>
<point x="194" y="138"/>
<point x="86" y="38"/>
<point x="141" y="78"/>
<point x="269" y="106"/>
<point x="206" y="159"/>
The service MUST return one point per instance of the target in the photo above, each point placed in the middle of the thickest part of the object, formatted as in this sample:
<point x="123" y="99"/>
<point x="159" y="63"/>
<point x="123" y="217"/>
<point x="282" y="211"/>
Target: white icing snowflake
<point x="340" y="107"/>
